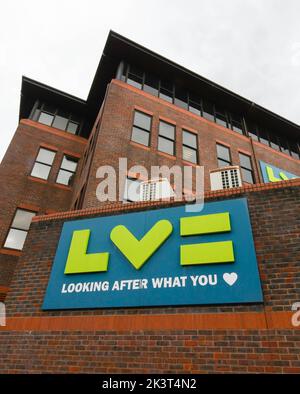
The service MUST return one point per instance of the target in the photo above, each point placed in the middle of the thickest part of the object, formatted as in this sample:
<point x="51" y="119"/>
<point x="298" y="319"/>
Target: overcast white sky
<point x="249" y="46"/>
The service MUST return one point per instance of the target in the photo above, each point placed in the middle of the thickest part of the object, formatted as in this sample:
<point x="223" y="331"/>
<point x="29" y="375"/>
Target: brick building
<point x="152" y="112"/>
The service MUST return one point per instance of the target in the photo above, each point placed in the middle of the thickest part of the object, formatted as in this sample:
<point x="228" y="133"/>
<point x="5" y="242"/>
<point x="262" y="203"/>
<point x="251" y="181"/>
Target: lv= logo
<point x="138" y="252"/>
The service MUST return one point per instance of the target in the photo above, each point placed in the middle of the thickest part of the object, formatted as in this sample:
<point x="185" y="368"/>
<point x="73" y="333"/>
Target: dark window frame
<point x="167" y="138"/>
<point x="40" y="162"/>
<point x="142" y="78"/>
<point x="191" y="147"/>
<point x="16" y="228"/>
<point x="219" y="158"/>
<point x="247" y="168"/>
<point x="141" y="128"/>
<point x="232" y="120"/>
<point x="66" y="170"/>
<point x="40" y="109"/>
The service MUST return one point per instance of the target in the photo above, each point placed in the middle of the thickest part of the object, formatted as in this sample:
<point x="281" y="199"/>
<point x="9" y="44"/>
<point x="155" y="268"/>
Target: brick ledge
<point x="203" y="321"/>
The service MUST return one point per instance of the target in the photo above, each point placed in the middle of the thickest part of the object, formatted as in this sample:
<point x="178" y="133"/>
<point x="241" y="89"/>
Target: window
<point x="274" y="141"/>
<point x="221" y="118"/>
<point x="72" y="127"/>
<point x="18" y="230"/>
<point x="45" y="118"/>
<point x="237" y="124"/>
<point x="51" y="116"/>
<point x="223" y="155"/>
<point x="181" y="99"/>
<point x="246" y="168"/>
<point x="194" y="104"/>
<point x="151" y="85"/>
<point x="189" y="147"/>
<point x="166" y="138"/>
<point x="263" y="137"/>
<point x="132" y="189"/>
<point x="284" y="147"/>
<point x="166" y="91"/>
<point x="67" y="170"/>
<point x="43" y="163"/>
<point x="208" y="111"/>
<point x="135" y="77"/>
<point x="294" y="149"/>
<point x="141" y="128"/>
<point x="252" y="131"/>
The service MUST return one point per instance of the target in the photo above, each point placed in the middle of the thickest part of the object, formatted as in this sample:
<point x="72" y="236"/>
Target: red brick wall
<point x="21" y="190"/>
<point x="115" y="133"/>
<point x="242" y="338"/>
<point x="192" y="351"/>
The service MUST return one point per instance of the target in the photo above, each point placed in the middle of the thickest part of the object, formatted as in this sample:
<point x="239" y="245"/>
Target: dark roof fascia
<point x="252" y="105"/>
<point x="107" y="67"/>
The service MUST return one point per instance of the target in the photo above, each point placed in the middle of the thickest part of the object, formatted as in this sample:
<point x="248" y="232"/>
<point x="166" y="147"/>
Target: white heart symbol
<point x="230" y="279"/>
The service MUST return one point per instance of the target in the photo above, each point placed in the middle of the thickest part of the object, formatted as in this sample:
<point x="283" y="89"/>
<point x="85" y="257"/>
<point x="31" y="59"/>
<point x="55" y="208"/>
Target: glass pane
<point x="60" y="122"/>
<point x="65" y="177"/>
<point x="181" y="98"/>
<point x="189" y="154"/>
<point x="151" y="85"/>
<point x="295" y="155"/>
<point x="223" y="163"/>
<point x="45" y="118"/>
<point x="195" y="108"/>
<point x="284" y="146"/>
<point x="140" y="136"/>
<point x="142" y="120"/>
<point x="69" y="163"/>
<point x="245" y="161"/>
<point x="134" y="81"/>
<point x="15" y="239"/>
<point x="221" y="119"/>
<point x="40" y="171"/>
<point x="294" y="150"/>
<point x="132" y="190"/>
<point x="22" y="219"/>
<point x="167" y="130"/>
<point x="45" y="156"/>
<point x="253" y="136"/>
<point x="165" y="145"/>
<point x="189" y="139"/>
<point x="247" y="175"/>
<point x="237" y="126"/>
<point x="208" y="111"/>
<point x="263" y="137"/>
<point x="72" y="127"/>
<point x="274" y="142"/>
<point x="223" y="153"/>
<point x="165" y="95"/>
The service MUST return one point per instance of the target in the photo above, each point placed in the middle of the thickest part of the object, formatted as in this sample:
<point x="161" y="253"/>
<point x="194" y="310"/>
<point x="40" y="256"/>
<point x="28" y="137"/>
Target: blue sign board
<point x="271" y="173"/>
<point x="193" y="258"/>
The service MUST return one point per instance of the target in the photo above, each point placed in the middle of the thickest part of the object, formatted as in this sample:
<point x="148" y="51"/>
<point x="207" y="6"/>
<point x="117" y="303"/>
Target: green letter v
<point x="138" y="252"/>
